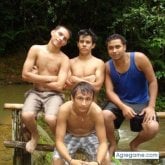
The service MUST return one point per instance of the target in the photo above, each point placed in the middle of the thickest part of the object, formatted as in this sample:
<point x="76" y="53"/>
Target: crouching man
<point x="80" y="124"/>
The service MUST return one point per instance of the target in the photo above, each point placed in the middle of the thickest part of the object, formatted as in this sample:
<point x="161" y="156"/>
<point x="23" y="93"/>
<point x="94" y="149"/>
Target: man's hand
<point x="91" y="78"/>
<point x="149" y="114"/>
<point x="128" y="112"/>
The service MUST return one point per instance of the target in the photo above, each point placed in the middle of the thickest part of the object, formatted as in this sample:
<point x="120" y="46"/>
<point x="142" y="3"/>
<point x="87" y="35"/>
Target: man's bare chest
<point x="51" y="65"/>
<point x="83" y="69"/>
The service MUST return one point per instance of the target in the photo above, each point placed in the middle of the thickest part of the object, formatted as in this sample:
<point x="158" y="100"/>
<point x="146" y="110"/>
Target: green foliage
<point x="160" y="103"/>
<point x="116" y="161"/>
<point x="143" y="24"/>
<point x="160" y="74"/>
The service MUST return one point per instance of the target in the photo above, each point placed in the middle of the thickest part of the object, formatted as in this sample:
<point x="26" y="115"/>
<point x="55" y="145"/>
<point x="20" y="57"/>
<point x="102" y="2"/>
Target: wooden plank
<point x="19" y="144"/>
<point x="161" y="115"/>
<point x="162" y="154"/>
<point x="13" y="106"/>
<point x="17" y="106"/>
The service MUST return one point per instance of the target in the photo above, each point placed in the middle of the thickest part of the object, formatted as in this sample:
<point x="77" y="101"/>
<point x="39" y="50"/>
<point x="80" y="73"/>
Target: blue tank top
<point x="131" y="86"/>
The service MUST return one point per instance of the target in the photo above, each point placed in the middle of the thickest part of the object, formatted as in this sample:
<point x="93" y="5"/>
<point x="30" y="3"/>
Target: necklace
<point x="82" y="119"/>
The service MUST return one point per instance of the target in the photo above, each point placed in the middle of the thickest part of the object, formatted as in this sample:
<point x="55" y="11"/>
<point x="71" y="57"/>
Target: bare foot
<point x="31" y="144"/>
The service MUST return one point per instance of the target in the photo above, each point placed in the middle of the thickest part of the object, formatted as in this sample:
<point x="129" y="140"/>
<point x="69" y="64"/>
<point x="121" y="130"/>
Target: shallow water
<point x="10" y="94"/>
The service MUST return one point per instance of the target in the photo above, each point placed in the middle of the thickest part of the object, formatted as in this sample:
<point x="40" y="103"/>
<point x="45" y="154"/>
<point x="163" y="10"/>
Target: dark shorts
<point x="135" y="123"/>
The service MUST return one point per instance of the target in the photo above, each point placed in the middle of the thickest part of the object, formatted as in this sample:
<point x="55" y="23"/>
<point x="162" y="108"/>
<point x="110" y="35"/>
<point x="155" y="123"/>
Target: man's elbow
<point x="24" y="76"/>
<point x="59" y="87"/>
<point x="97" y="88"/>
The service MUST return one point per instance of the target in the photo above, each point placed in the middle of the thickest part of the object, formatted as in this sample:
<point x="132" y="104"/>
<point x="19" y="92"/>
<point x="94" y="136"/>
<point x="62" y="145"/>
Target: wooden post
<point x="20" y="156"/>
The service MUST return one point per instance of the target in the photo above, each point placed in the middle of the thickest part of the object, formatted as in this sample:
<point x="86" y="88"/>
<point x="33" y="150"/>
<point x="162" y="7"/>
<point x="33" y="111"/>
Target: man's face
<point x="116" y="49"/>
<point x="85" y="44"/>
<point x="60" y="37"/>
<point x="82" y="101"/>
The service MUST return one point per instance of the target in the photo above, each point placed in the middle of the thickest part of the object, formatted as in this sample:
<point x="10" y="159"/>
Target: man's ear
<point x="125" y="47"/>
<point x="93" y="46"/>
<point x="52" y="32"/>
<point x="77" y="43"/>
<point x="72" y="98"/>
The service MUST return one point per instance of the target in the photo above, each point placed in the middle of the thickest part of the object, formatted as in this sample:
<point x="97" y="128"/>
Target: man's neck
<point x="123" y="60"/>
<point x="85" y="56"/>
<point x="51" y="48"/>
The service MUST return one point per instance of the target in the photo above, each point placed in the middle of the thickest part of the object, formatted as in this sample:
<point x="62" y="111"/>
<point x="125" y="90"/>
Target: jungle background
<point x="27" y="22"/>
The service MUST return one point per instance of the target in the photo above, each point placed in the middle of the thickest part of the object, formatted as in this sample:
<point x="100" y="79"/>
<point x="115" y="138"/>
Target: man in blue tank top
<point x="131" y="88"/>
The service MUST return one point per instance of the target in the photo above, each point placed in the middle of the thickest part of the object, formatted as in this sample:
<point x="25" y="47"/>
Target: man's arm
<point x="99" y="76"/>
<point x="145" y="66"/>
<point x="62" y="76"/>
<point x="101" y="134"/>
<point x="28" y="73"/>
<point x="60" y="133"/>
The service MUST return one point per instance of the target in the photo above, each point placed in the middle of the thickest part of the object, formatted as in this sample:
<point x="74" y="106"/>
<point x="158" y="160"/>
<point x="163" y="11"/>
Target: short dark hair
<point x="62" y="26"/>
<point x="87" y="32"/>
<point x="84" y="87"/>
<point x="116" y="36"/>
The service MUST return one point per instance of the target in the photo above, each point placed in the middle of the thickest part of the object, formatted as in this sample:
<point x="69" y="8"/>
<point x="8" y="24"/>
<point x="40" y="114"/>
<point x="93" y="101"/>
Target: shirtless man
<point x="80" y="124"/>
<point x="131" y="88"/>
<point x="46" y="66"/>
<point x="86" y="67"/>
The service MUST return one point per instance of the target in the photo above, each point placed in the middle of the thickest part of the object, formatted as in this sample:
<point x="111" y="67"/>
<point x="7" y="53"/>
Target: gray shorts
<point x="135" y="123"/>
<point x="36" y="101"/>
<point x="88" y="144"/>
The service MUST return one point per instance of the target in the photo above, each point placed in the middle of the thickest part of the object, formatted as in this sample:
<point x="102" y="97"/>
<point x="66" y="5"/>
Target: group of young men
<point x="131" y="90"/>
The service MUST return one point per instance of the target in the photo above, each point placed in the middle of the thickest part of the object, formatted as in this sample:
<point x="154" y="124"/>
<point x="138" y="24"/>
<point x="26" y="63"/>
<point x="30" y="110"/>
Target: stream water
<point x="15" y="94"/>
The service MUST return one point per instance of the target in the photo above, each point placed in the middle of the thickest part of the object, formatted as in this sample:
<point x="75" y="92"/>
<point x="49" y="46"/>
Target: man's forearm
<point x="153" y="90"/>
<point x="35" y="78"/>
<point x="63" y="151"/>
<point x="101" y="153"/>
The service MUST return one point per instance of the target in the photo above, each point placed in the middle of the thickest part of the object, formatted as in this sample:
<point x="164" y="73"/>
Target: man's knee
<point x="151" y="127"/>
<point x="108" y="115"/>
<point x="50" y="118"/>
<point x="27" y="115"/>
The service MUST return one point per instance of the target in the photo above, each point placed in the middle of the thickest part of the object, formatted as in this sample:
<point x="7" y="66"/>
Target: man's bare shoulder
<point x="37" y="47"/>
<point x="141" y="59"/>
<point x="98" y="59"/>
<point x="95" y="107"/>
<point x="73" y="60"/>
<point x="64" y="56"/>
<point x="66" y="106"/>
<point x="35" y="50"/>
<point x="96" y="111"/>
<point x="139" y="55"/>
